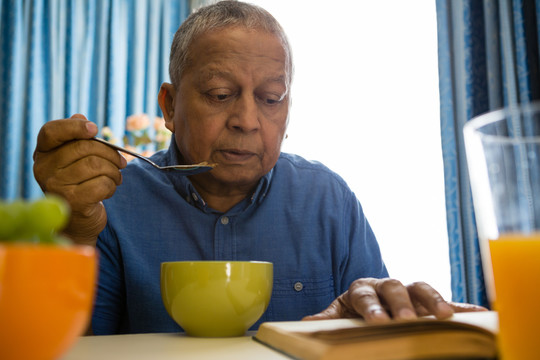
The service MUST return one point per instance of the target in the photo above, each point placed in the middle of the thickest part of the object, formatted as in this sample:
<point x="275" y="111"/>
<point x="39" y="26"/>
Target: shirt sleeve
<point x="362" y="256"/>
<point x="109" y="307"/>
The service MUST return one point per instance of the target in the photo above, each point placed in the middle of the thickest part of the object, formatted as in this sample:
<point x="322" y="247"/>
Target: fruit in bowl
<point x="216" y="298"/>
<point x="47" y="284"/>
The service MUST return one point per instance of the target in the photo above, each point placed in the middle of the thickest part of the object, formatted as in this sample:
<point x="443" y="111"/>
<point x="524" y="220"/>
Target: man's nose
<point x="245" y="115"/>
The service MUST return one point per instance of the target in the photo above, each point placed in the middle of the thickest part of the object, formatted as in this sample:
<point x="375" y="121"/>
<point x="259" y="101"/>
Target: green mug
<point x="216" y="298"/>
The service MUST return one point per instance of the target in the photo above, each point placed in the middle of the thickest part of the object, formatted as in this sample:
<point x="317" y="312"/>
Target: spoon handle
<point x="185" y="170"/>
<point x="132" y="153"/>
<point x="116" y="147"/>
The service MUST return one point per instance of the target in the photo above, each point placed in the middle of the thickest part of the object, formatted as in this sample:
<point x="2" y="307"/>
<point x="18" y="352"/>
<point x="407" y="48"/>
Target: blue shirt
<point x="302" y="217"/>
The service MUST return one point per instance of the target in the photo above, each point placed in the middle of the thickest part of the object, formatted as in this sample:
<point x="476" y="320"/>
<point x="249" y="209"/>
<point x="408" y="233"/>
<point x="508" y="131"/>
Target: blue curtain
<point x="102" y="58"/>
<point x="488" y="59"/>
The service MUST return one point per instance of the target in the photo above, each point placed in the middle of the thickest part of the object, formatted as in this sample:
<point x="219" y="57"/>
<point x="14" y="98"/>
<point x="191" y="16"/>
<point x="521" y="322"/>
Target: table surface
<point x="168" y="346"/>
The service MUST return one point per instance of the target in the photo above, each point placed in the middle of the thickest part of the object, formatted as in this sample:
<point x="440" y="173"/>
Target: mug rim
<point x="217" y="262"/>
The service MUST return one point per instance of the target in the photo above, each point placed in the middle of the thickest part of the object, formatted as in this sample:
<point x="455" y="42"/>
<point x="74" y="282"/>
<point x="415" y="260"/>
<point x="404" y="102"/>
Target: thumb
<point x="336" y="310"/>
<point x="324" y="315"/>
<point x="57" y="132"/>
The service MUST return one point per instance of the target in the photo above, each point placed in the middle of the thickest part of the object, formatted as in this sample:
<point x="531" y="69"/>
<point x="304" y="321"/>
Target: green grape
<point x="35" y="222"/>
<point x="12" y="216"/>
<point x="47" y="216"/>
<point x="51" y="239"/>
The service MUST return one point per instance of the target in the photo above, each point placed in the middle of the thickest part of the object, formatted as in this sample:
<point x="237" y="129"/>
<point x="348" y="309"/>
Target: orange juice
<point x="516" y="270"/>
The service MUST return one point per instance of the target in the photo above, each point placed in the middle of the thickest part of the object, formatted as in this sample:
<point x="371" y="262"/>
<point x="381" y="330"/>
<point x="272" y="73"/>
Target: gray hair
<point x="220" y="15"/>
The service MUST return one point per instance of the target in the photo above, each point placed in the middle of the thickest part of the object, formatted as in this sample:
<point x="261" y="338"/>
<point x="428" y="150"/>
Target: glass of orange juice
<point x="503" y="158"/>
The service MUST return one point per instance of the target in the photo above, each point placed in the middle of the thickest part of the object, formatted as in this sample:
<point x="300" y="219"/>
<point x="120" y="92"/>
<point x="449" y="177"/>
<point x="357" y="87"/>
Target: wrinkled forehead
<point x="224" y="37"/>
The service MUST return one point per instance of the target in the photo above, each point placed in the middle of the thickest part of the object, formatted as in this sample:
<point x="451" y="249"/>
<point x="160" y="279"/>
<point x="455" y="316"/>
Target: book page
<point x="465" y="334"/>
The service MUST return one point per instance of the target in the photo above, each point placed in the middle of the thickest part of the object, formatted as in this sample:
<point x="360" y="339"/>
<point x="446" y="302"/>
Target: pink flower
<point x="107" y="134"/>
<point x="137" y="122"/>
<point x="147" y="153"/>
<point x="127" y="156"/>
<point x="159" y="124"/>
<point x="162" y="137"/>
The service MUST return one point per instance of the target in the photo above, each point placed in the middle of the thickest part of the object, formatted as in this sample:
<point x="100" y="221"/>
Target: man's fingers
<point x="57" y="132"/>
<point x="76" y="162"/>
<point x="427" y="299"/>
<point x="379" y="300"/>
<point x="396" y="298"/>
<point x="463" y="307"/>
<point x="330" y="312"/>
<point x="76" y="150"/>
<point x="338" y="309"/>
<point x="84" y="170"/>
<point x="363" y="299"/>
<point x="83" y="197"/>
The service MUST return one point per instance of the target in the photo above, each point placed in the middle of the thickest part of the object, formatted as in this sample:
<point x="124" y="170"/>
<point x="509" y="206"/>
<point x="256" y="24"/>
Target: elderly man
<point x="231" y="72"/>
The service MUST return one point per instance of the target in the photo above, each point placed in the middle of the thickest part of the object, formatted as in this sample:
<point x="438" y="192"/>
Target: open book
<point x="465" y="335"/>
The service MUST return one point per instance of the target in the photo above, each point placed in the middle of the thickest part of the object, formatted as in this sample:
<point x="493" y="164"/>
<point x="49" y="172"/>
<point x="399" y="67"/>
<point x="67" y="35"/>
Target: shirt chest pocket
<point x="294" y="298"/>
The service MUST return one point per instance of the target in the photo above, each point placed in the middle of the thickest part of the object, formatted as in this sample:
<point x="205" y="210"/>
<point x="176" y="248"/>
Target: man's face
<point x="231" y="107"/>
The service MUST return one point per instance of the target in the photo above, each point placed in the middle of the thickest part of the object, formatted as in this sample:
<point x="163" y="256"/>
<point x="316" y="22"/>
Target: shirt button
<point x="224" y="220"/>
<point x="298" y="286"/>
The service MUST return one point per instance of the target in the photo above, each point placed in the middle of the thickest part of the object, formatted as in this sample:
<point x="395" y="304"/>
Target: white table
<point x="168" y="346"/>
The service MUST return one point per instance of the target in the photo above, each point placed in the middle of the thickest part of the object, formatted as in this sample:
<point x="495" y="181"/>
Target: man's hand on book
<point x="379" y="300"/>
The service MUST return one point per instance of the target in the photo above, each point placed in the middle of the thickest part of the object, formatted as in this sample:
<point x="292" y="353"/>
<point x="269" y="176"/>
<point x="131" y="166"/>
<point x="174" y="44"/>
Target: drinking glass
<point x="503" y="158"/>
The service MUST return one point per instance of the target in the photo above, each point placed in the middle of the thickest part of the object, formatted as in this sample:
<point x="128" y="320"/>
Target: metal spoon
<point x="183" y="169"/>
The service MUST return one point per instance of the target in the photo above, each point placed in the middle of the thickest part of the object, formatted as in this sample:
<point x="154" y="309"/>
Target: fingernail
<point x="377" y="315"/>
<point x="123" y="161"/>
<point x="91" y="127"/>
<point x="444" y="310"/>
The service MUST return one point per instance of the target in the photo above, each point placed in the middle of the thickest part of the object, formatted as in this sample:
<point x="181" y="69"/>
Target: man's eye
<point x="219" y="94"/>
<point x="271" y="99"/>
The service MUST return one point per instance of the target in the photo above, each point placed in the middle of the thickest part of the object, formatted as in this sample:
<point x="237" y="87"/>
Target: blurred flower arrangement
<point x="138" y="136"/>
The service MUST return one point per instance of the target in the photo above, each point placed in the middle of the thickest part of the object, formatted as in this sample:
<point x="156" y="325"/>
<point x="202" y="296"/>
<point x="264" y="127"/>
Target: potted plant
<point x="47" y="284"/>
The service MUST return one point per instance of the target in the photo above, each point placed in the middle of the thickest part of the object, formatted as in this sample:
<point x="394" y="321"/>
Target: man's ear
<point x="166" y="96"/>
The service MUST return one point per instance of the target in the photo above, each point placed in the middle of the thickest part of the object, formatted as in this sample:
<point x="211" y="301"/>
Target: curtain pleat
<point x="12" y="78"/>
<point x="488" y="58"/>
<point x="117" y="84"/>
<point x="37" y="83"/>
<point x="103" y="58"/>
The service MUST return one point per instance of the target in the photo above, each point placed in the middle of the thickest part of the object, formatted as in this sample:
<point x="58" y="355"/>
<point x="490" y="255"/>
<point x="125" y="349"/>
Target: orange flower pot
<point x="46" y="298"/>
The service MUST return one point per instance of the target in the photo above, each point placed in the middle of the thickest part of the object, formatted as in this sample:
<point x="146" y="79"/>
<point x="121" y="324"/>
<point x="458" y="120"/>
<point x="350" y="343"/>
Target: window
<point x="366" y="104"/>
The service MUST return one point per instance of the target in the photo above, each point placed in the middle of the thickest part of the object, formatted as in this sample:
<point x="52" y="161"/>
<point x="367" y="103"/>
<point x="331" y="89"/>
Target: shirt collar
<point x="185" y="188"/>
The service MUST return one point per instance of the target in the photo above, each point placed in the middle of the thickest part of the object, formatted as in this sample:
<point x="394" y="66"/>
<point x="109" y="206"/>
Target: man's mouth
<point x="236" y="155"/>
